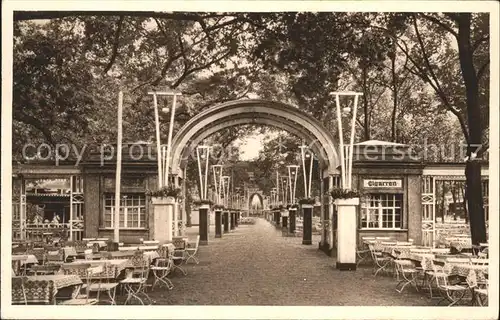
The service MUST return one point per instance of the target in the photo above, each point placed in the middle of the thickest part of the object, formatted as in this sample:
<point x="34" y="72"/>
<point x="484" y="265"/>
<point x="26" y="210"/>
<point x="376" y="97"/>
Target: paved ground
<point x="255" y="265"/>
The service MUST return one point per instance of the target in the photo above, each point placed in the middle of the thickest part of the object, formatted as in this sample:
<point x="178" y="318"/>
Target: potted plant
<point x="307" y="201"/>
<point x="169" y="191"/>
<point x="339" y="194"/>
<point x="203" y="203"/>
<point x="218" y="207"/>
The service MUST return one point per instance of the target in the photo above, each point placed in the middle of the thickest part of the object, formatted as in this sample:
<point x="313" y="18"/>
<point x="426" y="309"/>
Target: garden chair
<point x="362" y="253"/>
<point x="192" y="251"/>
<point x="162" y="268"/>
<point x="179" y="254"/>
<point x="97" y="285"/>
<point x="453" y="293"/>
<point x="480" y="291"/>
<point x="135" y="281"/>
<point x="83" y="270"/>
<point x="408" y="272"/>
<point x="88" y="254"/>
<point x="381" y="260"/>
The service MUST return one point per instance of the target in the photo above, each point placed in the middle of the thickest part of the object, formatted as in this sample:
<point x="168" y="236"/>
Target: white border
<point x="216" y="312"/>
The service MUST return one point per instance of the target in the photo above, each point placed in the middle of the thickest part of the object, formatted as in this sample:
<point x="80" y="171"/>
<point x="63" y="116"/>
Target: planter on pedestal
<point x="218" y="223"/>
<point x="307" y="223"/>
<point x="233" y="218"/>
<point x="277" y="218"/>
<point x="292" y="212"/>
<point x="163" y="209"/>
<point x="226" y="221"/>
<point x="346" y="231"/>
<point x="284" y="218"/>
<point x="203" y="231"/>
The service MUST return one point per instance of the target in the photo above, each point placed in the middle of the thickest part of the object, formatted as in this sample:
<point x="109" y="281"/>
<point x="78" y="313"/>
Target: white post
<point x="118" y="170"/>
<point x="170" y="132"/>
<point x="341" y="141"/>
<point x="158" y="142"/>
<point x="176" y="210"/>
<point x="310" y="173"/>
<point x="183" y="212"/>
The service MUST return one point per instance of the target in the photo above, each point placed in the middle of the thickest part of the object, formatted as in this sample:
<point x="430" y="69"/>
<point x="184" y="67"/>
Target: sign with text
<point x="382" y="183"/>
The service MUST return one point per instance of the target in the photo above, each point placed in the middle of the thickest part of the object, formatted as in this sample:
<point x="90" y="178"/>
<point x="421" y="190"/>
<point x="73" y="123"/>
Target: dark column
<point x="307" y="218"/>
<point x="203" y="212"/>
<point x="226" y="221"/>
<point x="218" y="224"/>
<point x="277" y="219"/>
<point x="233" y="220"/>
<point x="291" y="217"/>
<point x="284" y="222"/>
<point x="237" y="219"/>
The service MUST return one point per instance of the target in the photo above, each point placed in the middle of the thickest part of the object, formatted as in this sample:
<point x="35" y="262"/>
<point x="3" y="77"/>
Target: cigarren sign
<point x="382" y="183"/>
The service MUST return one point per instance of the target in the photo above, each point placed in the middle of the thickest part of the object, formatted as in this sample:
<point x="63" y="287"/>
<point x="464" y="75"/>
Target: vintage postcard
<point x="250" y="159"/>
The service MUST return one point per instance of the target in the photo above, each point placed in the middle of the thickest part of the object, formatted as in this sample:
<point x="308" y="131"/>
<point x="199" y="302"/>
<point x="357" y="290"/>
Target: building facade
<point x="400" y="195"/>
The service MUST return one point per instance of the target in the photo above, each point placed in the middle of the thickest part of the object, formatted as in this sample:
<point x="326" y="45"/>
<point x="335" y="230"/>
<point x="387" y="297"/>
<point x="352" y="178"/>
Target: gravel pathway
<point x="255" y="265"/>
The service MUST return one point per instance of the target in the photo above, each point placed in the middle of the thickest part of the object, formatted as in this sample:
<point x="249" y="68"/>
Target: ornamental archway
<point x="274" y="114"/>
<point x="252" y="111"/>
<point x="251" y="197"/>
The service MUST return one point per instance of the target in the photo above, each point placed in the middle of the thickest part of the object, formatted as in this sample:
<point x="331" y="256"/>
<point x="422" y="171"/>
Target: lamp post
<point x="164" y="209"/>
<point x="346" y="208"/>
<point x="293" y="171"/>
<point x="217" y="172"/>
<point x="238" y="206"/>
<point x="232" y="213"/>
<point x="225" y="192"/>
<point x="203" y="155"/>
<point x="307" y="157"/>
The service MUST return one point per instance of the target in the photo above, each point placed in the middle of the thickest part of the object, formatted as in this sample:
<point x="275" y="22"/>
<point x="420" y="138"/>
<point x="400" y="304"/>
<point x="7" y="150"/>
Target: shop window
<point x="382" y="211"/>
<point x="132" y="211"/>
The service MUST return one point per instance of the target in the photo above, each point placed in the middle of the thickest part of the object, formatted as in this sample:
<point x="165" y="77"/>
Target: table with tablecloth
<point x="25" y="258"/>
<point x="401" y="252"/>
<point x="112" y="268"/>
<point x="43" y="289"/>
<point x="463" y="269"/>
<point x="100" y="243"/>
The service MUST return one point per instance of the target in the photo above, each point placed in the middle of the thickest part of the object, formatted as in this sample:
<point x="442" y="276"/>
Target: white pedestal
<point x="176" y="219"/>
<point x="346" y="230"/>
<point x="163" y="210"/>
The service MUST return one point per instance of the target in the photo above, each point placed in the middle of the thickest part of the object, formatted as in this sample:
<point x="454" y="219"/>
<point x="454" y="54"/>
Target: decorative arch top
<point x="253" y="111"/>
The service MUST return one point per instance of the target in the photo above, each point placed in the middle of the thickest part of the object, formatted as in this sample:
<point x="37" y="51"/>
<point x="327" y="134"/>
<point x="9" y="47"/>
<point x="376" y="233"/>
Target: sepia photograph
<point x="250" y="159"/>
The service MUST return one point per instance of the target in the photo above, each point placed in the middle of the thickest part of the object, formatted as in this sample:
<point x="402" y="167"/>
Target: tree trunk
<point x="473" y="167"/>
<point x="464" y="202"/>
<point x="475" y="202"/>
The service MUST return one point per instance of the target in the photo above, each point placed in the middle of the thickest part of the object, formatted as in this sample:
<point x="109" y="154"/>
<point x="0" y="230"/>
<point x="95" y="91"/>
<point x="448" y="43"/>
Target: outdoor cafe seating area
<point x="87" y="272"/>
<point x="453" y="273"/>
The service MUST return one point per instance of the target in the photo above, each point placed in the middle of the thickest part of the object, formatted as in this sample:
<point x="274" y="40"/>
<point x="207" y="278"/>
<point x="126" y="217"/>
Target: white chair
<point x="453" y="293"/>
<point x="96" y="283"/>
<point x="135" y="281"/>
<point x="82" y="270"/>
<point x="480" y="293"/>
<point x="163" y="267"/>
<point x="381" y="260"/>
<point x="88" y="254"/>
<point x="192" y="251"/>
<point x="407" y="270"/>
<point x="430" y="272"/>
